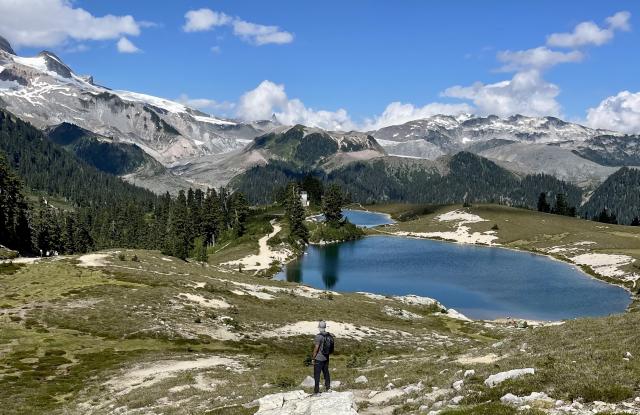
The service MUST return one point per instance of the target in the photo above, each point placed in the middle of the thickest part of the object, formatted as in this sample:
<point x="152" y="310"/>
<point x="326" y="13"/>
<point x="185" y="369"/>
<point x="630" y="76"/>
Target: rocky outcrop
<point x="300" y="403"/>
<point x="6" y="46"/>
<point x="498" y="378"/>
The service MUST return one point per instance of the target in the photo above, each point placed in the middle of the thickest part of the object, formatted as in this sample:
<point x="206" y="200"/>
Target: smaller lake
<point x="366" y="219"/>
<point x="363" y="218"/>
<point x="480" y="282"/>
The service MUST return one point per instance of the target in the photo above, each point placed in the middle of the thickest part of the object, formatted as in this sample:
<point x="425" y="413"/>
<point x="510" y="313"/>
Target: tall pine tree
<point x="295" y="214"/>
<point x="332" y="205"/>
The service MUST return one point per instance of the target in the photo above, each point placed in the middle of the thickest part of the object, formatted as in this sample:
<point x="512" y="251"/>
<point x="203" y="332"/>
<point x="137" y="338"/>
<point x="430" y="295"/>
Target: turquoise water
<point x="480" y="282"/>
<point x="367" y="219"/>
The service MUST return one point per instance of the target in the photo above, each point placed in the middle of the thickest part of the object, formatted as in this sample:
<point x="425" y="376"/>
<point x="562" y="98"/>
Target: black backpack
<point x="328" y="344"/>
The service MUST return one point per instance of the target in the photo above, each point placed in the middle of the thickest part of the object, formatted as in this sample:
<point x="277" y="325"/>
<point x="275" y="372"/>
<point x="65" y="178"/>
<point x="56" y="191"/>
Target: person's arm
<point x="316" y="349"/>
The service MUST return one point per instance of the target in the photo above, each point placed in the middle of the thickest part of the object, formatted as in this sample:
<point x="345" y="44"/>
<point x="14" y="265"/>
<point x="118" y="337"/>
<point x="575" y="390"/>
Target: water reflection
<point x="294" y="273"/>
<point x="330" y="264"/>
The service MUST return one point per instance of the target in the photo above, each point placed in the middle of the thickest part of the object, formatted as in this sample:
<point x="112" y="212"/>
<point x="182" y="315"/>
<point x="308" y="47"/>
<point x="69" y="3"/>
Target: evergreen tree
<point x="332" y="205"/>
<point x="635" y="221"/>
<point x="211" y="217"/>
<point x="605" y="217"/>
<point x="178" y="242"/>
<point x="15" y="232"/>
<point x="295" y="214"/>
<point x="543" y="205"/>
<point x="240" y="214"/>
<point x="562" y="206"/>
<point x="200" y="249"/>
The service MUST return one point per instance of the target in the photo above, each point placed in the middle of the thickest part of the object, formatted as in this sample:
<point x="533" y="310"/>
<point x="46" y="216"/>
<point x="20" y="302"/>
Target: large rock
<point x="498" y="378"/>
<point x="537" y="399"/>
<point x="308" y="382"/>
<point x="300" y="403"/>
<point x="361" y="379"/>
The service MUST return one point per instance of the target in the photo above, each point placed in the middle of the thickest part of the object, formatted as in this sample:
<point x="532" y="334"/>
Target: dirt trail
<point x="266" y="256"/>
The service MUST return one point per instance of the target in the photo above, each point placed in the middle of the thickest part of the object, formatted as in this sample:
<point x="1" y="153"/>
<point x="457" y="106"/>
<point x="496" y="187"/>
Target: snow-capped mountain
<point x="44" y="91"/>
<point x="443" y="134"/>
<point x="569" y="151"/>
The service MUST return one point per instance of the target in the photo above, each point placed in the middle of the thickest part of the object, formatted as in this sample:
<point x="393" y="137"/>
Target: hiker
<point x="323" y="347"/>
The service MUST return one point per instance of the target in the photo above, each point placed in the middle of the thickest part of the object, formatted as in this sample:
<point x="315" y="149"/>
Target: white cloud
<point x="126" y="46"/>
<point x="619" y="113"/>
<point x="257" y="34"/>
<point x="536" y="58"/>
<point x="260" y="34"/>
<point x="270" y="98"/>
<point x="526" y="93"/>
<point x="589" y="33"/>
<point x="216" y="50"/>
<point x="207" y="105"/>
<point x="399" y="113"/>
<point x="47" y="23"/>
<point x="204" y="19"/>
<point x="620" y="21"/>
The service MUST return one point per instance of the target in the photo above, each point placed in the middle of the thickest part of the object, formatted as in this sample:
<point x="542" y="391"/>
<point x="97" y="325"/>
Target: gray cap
<point x="322" y="324"/>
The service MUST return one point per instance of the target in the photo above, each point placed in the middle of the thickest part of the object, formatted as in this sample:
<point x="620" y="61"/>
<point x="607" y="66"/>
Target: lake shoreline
<point x="582" y="271"/>
<point x="592" y="275"/>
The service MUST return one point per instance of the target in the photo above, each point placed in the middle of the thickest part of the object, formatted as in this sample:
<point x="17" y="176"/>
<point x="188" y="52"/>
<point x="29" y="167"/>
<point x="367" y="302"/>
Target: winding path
<point x="266" y="256"/>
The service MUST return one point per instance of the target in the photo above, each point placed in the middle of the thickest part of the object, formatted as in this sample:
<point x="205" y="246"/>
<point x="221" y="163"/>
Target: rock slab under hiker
<point x="301" y="403"/>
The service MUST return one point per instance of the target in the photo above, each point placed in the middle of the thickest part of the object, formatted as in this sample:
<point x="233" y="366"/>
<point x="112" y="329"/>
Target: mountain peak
<point x="55" y="64"/>
<point x="6" y="46"/>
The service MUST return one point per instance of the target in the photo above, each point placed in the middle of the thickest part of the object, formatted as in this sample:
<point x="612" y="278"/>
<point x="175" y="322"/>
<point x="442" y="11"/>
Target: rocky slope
<point x="305" y="148"/>
<point x="549" y="145"/>
<point x="46" y="92"/>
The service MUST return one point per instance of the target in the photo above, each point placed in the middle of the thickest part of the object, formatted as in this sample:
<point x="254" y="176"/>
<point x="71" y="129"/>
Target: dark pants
<point x="321" y="367"/>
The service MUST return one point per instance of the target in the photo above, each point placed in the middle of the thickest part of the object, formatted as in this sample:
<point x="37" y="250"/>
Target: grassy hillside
<point x="87" y="335"/>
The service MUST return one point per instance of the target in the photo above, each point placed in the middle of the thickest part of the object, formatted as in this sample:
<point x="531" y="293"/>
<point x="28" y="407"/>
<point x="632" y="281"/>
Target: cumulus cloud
<point x="270" y="98"/>
<point x="399" y="113"/>
<point x="126" y="46"/>
<point x="260" y="34"/>
<point x="204" y="19"/>
<point x="589" y="33"/>
<point x="526" y="93"/>
<point x="620" y="21"/>
<point x="257" y="34"/>
<point x="536" y="58"/>
<point x="207" y="105"/>
<point x="619" y="113"/>
<point x="47" y="23"/>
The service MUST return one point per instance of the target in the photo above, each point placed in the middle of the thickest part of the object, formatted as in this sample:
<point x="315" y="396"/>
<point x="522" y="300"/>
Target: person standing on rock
<point x="323" y="347"/>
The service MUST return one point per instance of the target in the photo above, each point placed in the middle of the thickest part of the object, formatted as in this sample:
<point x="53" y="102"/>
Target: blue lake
<point x="480" y="282"/>
<point x="367" y="219"/>
<point x="364" y="219"/>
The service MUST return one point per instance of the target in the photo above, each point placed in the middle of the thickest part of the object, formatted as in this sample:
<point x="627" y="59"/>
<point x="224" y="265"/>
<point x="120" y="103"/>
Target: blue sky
<point x="357" y="55"/>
